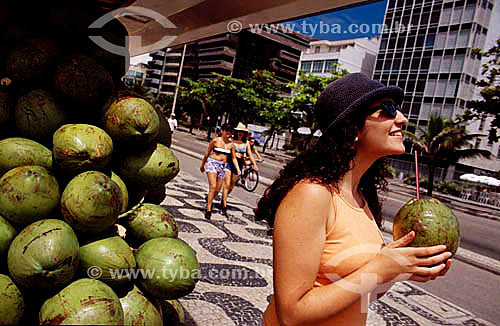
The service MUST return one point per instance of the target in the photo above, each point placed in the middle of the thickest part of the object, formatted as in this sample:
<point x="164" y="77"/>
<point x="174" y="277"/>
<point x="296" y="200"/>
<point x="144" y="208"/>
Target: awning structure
<point x="195" y="19"/>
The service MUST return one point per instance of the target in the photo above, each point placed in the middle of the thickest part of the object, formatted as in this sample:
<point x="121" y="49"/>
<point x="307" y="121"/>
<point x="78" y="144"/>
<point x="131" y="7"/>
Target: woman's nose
<point x="401" y="119"/>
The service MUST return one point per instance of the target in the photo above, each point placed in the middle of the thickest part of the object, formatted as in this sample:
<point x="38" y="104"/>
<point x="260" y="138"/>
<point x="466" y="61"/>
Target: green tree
<point x="490" y="92"/>
<point x="443" y="141"/>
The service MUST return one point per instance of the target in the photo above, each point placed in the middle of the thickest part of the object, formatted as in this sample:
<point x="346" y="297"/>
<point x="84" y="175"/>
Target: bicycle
<point x="249" y="179"/>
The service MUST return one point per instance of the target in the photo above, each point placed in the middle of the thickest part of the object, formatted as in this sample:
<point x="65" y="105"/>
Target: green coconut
<point x="17" y="151"/>
<point x="155" y="165"/>
<point x="4" y="107"/>
<point x="151" y="221"/>
<point x="32" y="60"/>
<point x="131" y="121"/>
<point x="28" y="193"/>
<point x="91" y="202"/>
<point x="100" y="259"/>
<point x="83" y="302"/>
<point x="81" y="147"/>
<point x="138" y="310"/>
<point x="81" y="79"/>
<point x="7" y="234"/>
<point x="173" y="266"/>
<point x="11" y="302"/>
<point x="433" y="222"/>
<point x="38" y="115"/>
<point x="44" y="255"/>
<point x="116" y="178"/>
<point x="172" y="311"/>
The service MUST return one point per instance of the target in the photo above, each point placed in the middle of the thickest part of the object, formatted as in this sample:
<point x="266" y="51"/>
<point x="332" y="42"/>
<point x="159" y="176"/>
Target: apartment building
<point x="235" y="55"/>
<point x="432" y="58"/>
<point x="356" y="55"/>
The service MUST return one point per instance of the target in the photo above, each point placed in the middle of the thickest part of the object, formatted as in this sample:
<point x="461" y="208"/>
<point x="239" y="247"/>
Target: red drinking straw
<point x="416" y="173"/>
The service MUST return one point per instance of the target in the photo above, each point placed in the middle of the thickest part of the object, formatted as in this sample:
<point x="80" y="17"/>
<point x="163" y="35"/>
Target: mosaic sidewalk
<point x="235" y="255"/>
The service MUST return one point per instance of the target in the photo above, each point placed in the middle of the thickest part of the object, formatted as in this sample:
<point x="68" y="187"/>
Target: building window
<point x="317" y="49"/>
<point x="469" y="13"/>
<point x="306" y="66"/>
<point x="446" y="63"/>
<point x="429" y="43"/>
<point x="463" y="39"/>
<point x="317" y="66"/>
<point x="458" y="63"/>
<point x="430" y="86"/>
<point x="457" y="15"/>
<point x="440" y="40"/>
<point x="331" y="65"/>
<point x="452" y="39"/>
<point x="445" y="16"/>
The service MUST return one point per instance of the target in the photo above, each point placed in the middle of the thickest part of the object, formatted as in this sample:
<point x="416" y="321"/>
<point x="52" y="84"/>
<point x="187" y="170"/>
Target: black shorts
<point x="230" y="166"/>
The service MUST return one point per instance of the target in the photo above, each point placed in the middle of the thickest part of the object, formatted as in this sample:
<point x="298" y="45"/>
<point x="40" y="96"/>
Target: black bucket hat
<point x="349" y="95"/>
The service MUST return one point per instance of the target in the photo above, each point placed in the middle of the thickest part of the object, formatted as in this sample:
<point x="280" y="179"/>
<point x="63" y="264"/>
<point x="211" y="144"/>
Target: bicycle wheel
<point x="251" y="180"/>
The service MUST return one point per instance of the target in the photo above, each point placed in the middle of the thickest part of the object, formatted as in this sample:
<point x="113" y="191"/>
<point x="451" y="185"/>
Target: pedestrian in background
<point x="172" y="122"/>
<point x="326" y="213"/>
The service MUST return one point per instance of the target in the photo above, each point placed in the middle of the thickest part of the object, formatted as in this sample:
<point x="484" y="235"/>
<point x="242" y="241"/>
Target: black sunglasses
<point x="388" y="107"/>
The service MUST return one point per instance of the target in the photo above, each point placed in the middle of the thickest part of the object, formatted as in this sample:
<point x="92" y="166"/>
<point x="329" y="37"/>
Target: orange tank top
<point x="352" y="227"/>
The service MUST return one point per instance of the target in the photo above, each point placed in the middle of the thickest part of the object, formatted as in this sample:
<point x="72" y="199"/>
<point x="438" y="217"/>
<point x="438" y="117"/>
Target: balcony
<point x="158" y="54"/>
<point x="154" y="71"/>
<point x="168" y="83"/>
<point x="215" y="64"/>
<point x="170" y="73"/>
<point x="220" y="50"/>
<point x="222" y="38"/>
<point x="285" y="55"/>
<point x="172" y="64"/>
<point x="152" y="80"/>
<point x="155" y="62"/>
<point x="283" y="68"/>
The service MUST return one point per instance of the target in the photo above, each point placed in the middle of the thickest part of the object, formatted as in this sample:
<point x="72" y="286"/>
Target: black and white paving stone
<point x="235" y="256"/>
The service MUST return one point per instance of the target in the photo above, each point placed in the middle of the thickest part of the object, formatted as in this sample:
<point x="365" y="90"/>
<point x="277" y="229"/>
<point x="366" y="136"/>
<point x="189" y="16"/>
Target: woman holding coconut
<point x="329" y="253"/>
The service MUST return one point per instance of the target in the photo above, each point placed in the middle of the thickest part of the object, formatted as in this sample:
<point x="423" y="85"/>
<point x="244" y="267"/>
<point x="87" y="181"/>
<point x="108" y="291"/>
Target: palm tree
<point x="444" y="141"/>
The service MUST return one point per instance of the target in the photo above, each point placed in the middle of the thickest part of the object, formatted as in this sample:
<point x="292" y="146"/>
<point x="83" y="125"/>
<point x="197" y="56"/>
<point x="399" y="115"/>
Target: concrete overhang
<point x="195" y="19"/>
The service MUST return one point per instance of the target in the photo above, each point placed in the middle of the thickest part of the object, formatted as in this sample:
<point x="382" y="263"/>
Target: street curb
<point x="463" y="255"/>
<point x="265" y="181"/>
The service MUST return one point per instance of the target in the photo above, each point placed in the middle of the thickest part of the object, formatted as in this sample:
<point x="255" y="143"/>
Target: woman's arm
<point x="254" y="149"/>
<point x="211" y="146"/>
<point x="298" y="242"/>
<point x="235" y="161"/>
<point x="250" y="155"/>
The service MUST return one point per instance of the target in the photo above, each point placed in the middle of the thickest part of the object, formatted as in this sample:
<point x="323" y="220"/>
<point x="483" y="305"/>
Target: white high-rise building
<point x="356" y="55"/>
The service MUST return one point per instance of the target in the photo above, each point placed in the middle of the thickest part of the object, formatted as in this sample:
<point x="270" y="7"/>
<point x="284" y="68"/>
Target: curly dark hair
<point x="326" y="163"/>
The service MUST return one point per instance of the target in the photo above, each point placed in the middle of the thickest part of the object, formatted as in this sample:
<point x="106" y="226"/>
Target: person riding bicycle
<point x="253" y="148"/>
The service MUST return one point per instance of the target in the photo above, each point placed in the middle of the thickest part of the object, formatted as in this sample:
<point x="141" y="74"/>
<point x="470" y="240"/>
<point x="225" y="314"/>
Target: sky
<point x="336" y="25"/>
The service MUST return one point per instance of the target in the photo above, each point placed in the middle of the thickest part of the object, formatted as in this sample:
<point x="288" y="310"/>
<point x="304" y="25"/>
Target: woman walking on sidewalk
<point x="326" y="214"/>
<point x="214" y="162"/>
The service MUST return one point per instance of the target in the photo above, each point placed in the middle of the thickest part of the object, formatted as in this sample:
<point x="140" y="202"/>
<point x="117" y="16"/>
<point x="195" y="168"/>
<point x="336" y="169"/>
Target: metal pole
<point x="179" y="78"/>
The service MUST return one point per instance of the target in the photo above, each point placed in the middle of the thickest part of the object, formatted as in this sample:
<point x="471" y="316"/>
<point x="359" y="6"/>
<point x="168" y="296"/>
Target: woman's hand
<point x="255" y="167"/>
<point x="420" y="263"/>
<point x="202" y="168"/>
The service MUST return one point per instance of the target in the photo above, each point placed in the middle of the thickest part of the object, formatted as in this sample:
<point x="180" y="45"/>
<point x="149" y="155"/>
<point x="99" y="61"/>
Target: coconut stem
<point x="416" y="174"/>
